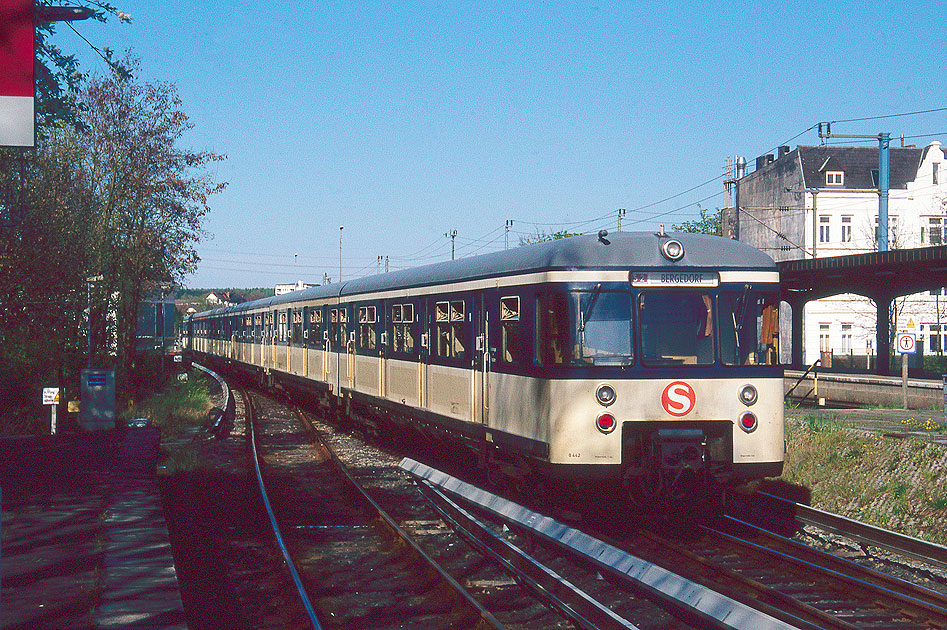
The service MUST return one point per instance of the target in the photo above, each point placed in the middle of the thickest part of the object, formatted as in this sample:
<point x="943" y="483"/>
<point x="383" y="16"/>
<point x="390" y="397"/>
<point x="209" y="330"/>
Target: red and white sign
<point x="907" y="343"/>
<point x="678" y="399"/>
<point x="16" y="73"/>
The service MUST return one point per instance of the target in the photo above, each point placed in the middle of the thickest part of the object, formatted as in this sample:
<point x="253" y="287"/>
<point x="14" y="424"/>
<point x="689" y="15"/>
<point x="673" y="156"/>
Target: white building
<point x="823" y="201"/>
<point x="289" y="288"/>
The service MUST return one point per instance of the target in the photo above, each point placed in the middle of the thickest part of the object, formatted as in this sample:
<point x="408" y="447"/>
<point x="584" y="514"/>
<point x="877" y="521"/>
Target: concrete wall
<point x="860" y="391"/>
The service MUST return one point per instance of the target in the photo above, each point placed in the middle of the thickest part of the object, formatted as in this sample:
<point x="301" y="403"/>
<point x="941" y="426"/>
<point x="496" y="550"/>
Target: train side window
<point x="297" y="329"/>
<point x="315" y="325"/>
<point x="282" y="326"/>
<point x="552" y="329"/>
<point x="511" y="338"/>
<point x="402" y="320"/>
<point x="451" y="328"/>
<point x="442" y="329"/>
<point x="336" y="327"/>
<point x="749" y="327"/>
<point x="367" y="331"/>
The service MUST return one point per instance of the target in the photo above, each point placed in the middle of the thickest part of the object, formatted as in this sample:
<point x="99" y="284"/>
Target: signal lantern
<point x="606" y="422"/>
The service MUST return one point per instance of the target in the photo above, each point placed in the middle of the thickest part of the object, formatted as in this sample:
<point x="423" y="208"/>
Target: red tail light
<point x="606" y="423"/>
<point x="748" y="421"/>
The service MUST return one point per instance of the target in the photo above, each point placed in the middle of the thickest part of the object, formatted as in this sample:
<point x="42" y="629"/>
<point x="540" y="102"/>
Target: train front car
<point x="665" y="377"/>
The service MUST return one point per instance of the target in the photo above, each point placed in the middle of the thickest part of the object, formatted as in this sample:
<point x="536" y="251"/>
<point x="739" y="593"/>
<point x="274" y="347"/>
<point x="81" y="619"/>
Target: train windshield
<point x="749" y="327"/>
<point x="677" y="328"/>
<point x="585" y="328"/>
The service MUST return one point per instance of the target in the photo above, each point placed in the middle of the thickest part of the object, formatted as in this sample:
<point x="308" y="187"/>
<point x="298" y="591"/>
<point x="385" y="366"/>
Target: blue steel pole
<point x="884" y="142"/>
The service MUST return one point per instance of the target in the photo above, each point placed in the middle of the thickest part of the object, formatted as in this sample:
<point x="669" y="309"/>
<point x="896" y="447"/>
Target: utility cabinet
<point x="98" y="400"/>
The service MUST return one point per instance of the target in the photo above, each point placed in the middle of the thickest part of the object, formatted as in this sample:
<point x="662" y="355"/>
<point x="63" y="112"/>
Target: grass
<point x="178" y="410"/>
<point x="893" y="483"/>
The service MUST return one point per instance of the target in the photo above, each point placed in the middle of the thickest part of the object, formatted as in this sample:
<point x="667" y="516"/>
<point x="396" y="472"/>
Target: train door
<point x="350" y="332"/>
<point x="483" y="357"/>
<point x="304" y="326"/>
<point x="339" y="369"/>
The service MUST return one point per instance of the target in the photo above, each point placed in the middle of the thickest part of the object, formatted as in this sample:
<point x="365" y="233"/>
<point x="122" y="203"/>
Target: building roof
<point x="858" y="164"/>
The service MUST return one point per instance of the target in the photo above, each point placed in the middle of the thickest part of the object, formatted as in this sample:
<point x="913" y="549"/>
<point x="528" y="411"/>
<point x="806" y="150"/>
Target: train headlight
<point x="672" y="250"/>
<point x="748" y="395"/>
<point x="748" y="421"/>
<point x="606" y="422"/>
<point x="605" y="395"/>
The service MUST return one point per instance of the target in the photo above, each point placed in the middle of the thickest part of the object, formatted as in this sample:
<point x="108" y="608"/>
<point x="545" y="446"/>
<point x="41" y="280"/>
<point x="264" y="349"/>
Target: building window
<point x="934" y="341"/>
<point x="935" y="233"/>
<point x="824" y="337"/>
<point x="893" y="239"/>
<point x="834" y="178"/>
<point x="936" y="173"/>
<point x="824" y="235"/>
<point x="846" y="229"/>
<point x="846" y="338"/>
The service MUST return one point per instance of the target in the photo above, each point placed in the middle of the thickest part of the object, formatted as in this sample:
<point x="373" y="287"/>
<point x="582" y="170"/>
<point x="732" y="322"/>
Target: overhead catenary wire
<point x="437" y="248"/>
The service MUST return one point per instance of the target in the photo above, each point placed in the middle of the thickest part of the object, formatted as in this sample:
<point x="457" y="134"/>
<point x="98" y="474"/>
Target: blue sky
<point x="405" y="120"/>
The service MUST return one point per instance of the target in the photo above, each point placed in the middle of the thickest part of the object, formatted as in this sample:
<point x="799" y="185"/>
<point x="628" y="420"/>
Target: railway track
<point x="519" y="584"/>
<point x="356" y="568"/>
<point x="358" y="573"/>
<point x="802" y="585"/>
<point x="789" y="581"/>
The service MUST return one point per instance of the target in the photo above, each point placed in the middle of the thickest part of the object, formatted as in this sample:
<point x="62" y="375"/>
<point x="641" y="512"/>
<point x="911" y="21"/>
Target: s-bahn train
<point x="640" y="362"/>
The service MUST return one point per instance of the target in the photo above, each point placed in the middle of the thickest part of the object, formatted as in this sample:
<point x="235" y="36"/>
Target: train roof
<point x="620" y="250"/>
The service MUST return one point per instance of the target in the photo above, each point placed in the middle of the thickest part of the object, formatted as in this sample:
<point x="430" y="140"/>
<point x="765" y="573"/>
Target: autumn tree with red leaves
<point x="114" y="195"/>
<point x="150" y="194"/>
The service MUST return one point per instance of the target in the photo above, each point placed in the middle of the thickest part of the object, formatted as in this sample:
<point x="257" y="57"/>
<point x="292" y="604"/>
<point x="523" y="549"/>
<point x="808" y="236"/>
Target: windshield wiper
<point x="738" y="314"/>
<point x="584" y="316"/>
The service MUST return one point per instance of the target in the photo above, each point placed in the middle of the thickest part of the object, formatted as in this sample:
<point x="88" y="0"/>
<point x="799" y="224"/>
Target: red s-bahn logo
<point x="678" y="399"/>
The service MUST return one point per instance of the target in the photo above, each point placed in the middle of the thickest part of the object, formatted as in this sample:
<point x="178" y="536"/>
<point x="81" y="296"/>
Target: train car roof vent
<point x="602" y="234"/>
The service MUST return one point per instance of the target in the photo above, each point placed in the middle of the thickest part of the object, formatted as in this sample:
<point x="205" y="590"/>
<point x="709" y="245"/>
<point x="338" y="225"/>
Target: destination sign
<point x="674" y="278"/>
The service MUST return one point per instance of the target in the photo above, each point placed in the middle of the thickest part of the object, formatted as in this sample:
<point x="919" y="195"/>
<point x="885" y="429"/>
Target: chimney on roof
<point x="783" y="150"/>
<point x="763" y="160"/>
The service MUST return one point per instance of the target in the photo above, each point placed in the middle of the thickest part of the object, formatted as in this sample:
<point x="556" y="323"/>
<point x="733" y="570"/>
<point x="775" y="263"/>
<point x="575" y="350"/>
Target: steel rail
<point x="304" y="597"/>
<point x="683" y="594"/>
<point x="931" y="600"/>
<point x="864" y="533"/>
<point x="485" y="615"/>
<point x="764" y="597"/>
<point x="545" y="583"/>
<point x="839" y="574"/>
<point x="228" y="408"/>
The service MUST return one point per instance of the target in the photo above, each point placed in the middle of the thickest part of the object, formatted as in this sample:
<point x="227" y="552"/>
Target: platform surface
<point x="84" y="540"/>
